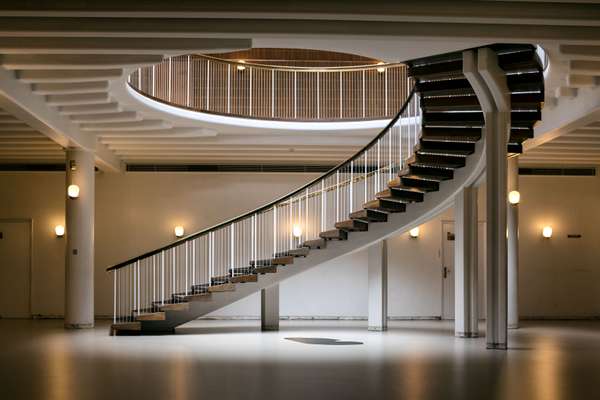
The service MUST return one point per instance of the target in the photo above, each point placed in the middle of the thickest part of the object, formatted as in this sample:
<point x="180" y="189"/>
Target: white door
<point x="448" y="270"/>
<point x="15" y="242"/>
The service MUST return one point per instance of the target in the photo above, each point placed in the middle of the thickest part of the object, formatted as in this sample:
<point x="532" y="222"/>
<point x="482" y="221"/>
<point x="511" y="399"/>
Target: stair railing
<point x="207" y="84"/>
<point x="255" y="240"/>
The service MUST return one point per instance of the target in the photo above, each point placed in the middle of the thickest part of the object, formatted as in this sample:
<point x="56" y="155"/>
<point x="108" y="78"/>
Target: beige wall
<point x="136" y="212"/>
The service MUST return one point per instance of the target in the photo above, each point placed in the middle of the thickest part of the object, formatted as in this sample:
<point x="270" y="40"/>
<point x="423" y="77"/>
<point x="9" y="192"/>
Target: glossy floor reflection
<point x="234" y="360"/>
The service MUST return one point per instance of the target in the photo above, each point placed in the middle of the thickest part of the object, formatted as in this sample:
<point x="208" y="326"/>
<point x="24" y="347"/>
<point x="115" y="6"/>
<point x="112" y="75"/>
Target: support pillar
<point x="512" y="223"/>
<point x="466" y="312"/>
<point x="79" y="274"/>
<point x="269" y="308"/>
<point x="377" y="272"/>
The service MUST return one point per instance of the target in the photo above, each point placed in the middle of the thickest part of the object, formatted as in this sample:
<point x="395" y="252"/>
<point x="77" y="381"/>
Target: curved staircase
<point x="409" y="172"/>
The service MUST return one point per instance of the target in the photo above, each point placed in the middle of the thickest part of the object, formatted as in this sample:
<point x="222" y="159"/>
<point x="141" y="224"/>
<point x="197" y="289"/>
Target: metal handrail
<point x="273" y="203"/>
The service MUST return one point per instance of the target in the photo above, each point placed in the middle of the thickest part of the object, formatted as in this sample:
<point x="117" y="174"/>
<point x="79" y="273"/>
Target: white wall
<point x="136" y="212"/>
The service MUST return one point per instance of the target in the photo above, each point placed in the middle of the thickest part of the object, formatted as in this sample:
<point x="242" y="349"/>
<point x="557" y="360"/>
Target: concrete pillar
<point x="377" y="275"/>
<point x="79" y="276"/>
<point x="269" y="308"/>
<point x="497" y="130"/>
<point x="466" y="312"/>
<point x="512" y="222"/>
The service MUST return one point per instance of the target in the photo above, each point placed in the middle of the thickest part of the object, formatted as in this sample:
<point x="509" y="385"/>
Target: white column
<point x="79" y="277"/>
<point x="465" y="264"/>
<point x="269" y="308"/>
<point x="512" y="223"/>
<point x="377" y="272"/>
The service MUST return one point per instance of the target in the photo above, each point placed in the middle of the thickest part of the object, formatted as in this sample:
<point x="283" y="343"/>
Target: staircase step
<point x="368" y="215"/>
<point x="415" y="181"/>
<point x="352" y="225"/>
<point x="453" y="119"/>
<point x="266" y="269"/>
<point x="334" y="234"/>
<point x="454" y="103"/>
<point x="243" y="278"/>
<point x="225" y="287"/>
<point x="465" y="148"/>
<point x="457" y="135"/>
<point x="299" y="252"/>
<point x="315" y="244"/>
<point x="445" y="160"/>
<point x="126" y="328"/>
<point x="428" y="173"/>
<point x="282" y="260"/>
<point x="525" y="82"/>
<point x="402" y="193"/>
<point x="450" y="87"/>
<point x="521" y="62"/>
<point x="389" y="206"/>
<point x="439" y="70"/>
<point x="155" y="316"/>
<point x="444" y="152"/>
<point x="198" y="297"/>
<point x="175" y="307"/>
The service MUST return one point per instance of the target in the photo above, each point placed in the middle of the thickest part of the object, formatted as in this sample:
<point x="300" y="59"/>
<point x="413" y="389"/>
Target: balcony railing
<point x="206" y="84"/>
<point x="236" y="247"/>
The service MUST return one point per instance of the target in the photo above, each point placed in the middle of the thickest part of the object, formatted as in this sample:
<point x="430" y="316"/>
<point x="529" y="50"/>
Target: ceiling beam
<point x="77" y="61"/>
<point x="125" y="45"/>
<point x="17" y="98"/>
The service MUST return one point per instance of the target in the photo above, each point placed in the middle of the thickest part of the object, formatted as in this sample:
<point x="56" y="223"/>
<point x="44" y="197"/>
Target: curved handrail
<point x="273" y="203"/>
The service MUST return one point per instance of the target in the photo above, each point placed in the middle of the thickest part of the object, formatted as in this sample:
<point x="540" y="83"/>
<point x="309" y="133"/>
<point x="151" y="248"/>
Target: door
<point x="15" y="251"/>
<point x="447" y="270"/>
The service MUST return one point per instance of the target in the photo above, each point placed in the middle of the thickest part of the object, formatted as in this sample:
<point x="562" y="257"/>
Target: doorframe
<point x="443" y="292"/>
<point x="30" y="261"/>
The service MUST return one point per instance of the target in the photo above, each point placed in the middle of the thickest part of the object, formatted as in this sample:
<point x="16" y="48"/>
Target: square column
<point x="269" y="308"/>
<point x="466" y="312"/>
<point x="377" y="272"/>
<point x="79" y="275"/>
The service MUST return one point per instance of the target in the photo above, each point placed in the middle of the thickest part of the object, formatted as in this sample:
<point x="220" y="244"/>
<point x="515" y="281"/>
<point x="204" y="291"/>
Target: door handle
<point x="445" y="272"/>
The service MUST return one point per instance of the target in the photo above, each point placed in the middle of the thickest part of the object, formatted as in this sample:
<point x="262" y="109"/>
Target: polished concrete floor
<point x="304" y="360"/>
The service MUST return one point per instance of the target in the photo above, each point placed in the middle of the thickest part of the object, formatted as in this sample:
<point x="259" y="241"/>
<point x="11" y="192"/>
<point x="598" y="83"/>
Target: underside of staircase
<point x="451" y="127"/>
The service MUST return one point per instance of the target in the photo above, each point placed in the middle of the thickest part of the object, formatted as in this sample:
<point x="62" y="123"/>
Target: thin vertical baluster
<point x="351" y="183"/>
<point x="114" y="297"/>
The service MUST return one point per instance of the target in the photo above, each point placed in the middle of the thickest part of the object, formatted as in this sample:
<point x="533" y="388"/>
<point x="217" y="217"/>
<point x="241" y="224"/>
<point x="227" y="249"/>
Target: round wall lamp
<point x="179" y="231"/>
<point x="547" y="232"/>
<point x="59" y="230"/>
<point x="297" y="231"/>
<point x="73" y="191"/>
<point x="414" y="233"/>
<point x="514" y="197"/>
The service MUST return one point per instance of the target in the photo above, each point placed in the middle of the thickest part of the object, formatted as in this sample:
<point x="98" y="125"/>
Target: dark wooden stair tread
<point x="266" y="269"/>
<point x="352" y="225"/>
<point x="334" y="234"/>
<point x="282" y="260"/>
<point x="369" y="215"/>
<point x="154" y="316"/>
<point x="243" y="278"/>
<point x="315" y="244"/>
<point x="224" y="287"/>
<point x="389" y="206"/>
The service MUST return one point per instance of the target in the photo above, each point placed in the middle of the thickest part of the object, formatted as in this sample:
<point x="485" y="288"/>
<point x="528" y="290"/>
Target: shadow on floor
<point x="325" y="341"/>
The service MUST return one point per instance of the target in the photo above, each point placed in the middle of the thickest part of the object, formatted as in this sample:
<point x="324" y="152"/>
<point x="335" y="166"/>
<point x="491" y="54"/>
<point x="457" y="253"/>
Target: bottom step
<point x="127" y="328"/>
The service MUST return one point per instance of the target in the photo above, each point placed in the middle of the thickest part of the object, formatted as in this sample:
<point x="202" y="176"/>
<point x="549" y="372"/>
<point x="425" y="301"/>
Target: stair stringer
<point x="416" y="214"/>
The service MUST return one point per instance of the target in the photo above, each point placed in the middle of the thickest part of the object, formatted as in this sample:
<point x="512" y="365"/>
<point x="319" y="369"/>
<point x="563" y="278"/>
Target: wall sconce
<point x="381" y="70"/>
<point x="73" y="191"/>
<point x="179" y="231"/>
<point x="241" y="67"/>
<point x="297" y="231"/>
<point x="414" y="233"/>
<point x="59" y="230"/>
<point x="514" y="197"/>
<point x="547" y="232"/>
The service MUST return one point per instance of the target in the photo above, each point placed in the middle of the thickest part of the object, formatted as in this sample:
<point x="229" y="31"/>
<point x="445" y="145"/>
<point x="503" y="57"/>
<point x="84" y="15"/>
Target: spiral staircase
<point x="409" y="172"/>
